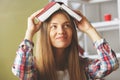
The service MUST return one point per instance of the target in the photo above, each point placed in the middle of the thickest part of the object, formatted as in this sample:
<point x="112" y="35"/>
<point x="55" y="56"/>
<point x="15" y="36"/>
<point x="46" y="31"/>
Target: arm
<point x="107" y="61"/>
<point x="24" y="66"/>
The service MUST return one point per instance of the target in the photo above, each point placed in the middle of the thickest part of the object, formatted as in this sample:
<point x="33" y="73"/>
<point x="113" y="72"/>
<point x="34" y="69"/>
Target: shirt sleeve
<point x="107" y="62"/>
<point x="24" y="65"/>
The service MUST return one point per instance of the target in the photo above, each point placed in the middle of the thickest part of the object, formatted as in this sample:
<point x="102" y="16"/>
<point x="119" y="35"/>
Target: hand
<point x="84" y="24"/>
<point x="32" y="27"/>
<point x="86" y="27"/>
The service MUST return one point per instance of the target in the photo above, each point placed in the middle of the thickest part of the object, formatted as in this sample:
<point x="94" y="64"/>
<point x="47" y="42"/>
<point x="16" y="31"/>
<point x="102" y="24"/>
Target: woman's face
<point x="60" y="31"/>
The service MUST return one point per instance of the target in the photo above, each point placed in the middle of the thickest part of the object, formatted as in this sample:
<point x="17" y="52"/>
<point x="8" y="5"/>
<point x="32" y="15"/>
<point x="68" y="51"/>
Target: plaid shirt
<point x="25" y="69"/>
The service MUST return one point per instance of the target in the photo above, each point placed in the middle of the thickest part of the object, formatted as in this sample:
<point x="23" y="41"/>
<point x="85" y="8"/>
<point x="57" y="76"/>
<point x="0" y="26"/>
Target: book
<point x="52" y="7"/>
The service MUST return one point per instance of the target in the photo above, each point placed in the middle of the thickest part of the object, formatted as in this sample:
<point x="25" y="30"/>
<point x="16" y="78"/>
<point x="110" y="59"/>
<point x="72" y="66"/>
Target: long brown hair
<point x="45" y="60"/>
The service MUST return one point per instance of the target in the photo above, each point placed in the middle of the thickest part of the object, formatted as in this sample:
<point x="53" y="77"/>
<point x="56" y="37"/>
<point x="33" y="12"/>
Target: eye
<point x="67" y="25"/>
<point x="53" y="27"/>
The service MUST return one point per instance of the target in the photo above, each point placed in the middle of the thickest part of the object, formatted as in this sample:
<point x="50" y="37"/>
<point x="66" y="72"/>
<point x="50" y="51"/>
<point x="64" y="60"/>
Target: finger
<point x="79" y="13"/>
<point x="36" y="20"/>
<point x="36" y="13"/>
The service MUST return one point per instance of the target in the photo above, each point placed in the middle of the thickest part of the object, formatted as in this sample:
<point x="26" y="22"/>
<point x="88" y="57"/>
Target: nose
<point x="60" y="30"/>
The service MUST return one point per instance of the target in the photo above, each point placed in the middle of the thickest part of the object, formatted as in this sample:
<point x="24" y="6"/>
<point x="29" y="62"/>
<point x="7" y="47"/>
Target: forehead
<point x="60" y="17"/>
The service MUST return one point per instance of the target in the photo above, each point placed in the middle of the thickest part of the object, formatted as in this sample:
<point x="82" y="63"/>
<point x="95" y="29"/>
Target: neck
<point x="60" y="58"/>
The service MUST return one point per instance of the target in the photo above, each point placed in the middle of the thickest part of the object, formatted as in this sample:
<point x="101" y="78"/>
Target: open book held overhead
<point x="52" y="7"/>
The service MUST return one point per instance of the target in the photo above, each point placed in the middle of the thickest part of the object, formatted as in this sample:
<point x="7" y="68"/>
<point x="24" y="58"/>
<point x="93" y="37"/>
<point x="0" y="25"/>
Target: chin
<point x="62" y="46"/>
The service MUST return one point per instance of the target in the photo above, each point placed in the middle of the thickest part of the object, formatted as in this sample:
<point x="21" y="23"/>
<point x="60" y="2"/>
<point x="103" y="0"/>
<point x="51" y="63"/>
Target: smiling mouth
<point x="61" y="38"/>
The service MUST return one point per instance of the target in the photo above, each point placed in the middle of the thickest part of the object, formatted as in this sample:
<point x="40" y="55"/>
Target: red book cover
<point x="48" y="10"/>
<point x="48" y="6"/>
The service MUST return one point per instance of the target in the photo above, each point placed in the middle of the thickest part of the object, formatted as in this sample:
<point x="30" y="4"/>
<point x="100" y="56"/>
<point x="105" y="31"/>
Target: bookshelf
<point x="103" y="26"/>
<point x="94" y="10"/>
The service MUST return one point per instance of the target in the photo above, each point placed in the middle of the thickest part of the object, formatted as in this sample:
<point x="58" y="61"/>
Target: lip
<point x="61" y="38"/>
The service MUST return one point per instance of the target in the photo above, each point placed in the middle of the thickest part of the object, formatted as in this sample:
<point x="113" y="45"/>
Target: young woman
<point x="56" y="56"/>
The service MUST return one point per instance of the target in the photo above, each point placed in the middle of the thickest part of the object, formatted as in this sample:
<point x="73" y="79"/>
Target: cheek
<point x="70" y="34"/>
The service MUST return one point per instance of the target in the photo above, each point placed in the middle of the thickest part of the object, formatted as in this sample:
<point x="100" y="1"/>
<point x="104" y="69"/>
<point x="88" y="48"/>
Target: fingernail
<point x="36" y="20"/>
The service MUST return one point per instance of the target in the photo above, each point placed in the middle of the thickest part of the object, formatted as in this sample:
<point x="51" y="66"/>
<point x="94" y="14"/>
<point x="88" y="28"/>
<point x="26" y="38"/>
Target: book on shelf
<point x="52" y="7"/>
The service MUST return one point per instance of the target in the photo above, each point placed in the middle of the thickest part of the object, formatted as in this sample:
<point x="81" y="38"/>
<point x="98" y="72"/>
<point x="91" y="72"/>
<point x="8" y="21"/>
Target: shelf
<point x="106" y="25"/>
<point x="98" y="1"/>
<point x="89" y="1"/>
<point x="96" y="56"/>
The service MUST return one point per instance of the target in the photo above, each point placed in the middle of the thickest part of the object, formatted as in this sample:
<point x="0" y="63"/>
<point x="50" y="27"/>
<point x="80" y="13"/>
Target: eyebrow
<point x="57" y="23"/>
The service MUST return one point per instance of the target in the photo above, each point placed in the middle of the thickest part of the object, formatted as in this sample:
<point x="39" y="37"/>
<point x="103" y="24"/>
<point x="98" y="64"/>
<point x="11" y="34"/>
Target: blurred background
<point x="13" y="23"/>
